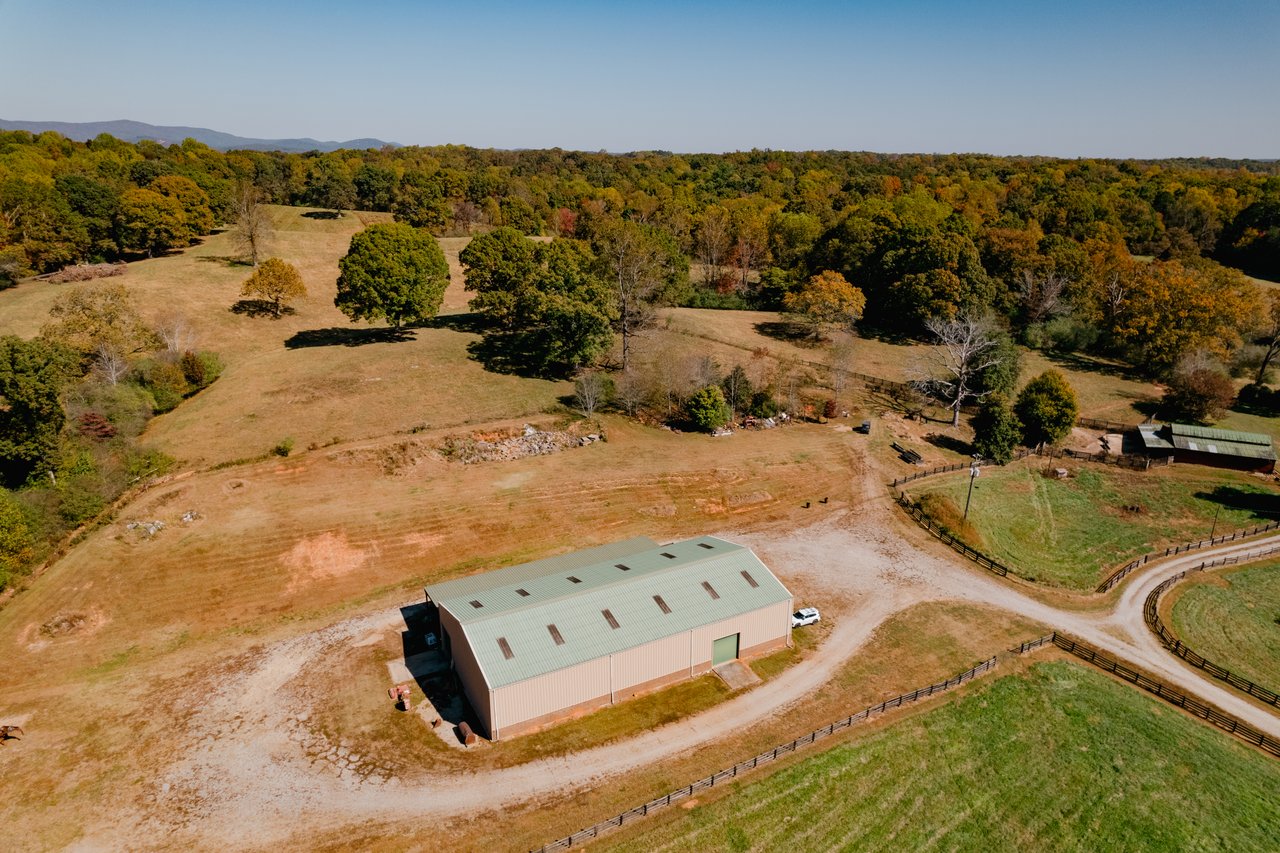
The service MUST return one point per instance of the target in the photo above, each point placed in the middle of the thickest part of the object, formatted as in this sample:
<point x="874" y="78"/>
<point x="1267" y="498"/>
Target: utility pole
<point x="973" y="475"/>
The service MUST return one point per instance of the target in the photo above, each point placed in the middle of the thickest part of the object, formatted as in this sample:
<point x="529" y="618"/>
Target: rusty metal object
<point x="400" y="695"/>
<point x="8" y="732"/>
<point x="464" y="731"/>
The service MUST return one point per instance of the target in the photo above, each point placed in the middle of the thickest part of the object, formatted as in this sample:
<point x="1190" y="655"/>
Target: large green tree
<point x="548" y="296"/>
<point x="151" y="222"/>
<point x="996" y="430"/>
<point x="31" y="415"/>
<point x="1048" y="409"/>
<point x="392" y="272"/>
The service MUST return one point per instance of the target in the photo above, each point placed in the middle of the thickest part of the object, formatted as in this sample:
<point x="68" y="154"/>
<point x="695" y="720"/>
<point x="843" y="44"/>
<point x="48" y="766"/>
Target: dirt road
<point x="247" y="783"/>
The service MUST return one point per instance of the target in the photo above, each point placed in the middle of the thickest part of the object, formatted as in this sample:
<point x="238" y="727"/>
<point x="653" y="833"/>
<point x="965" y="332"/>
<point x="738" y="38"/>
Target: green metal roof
<point x="465" y="589"/>
<point x="676" y="572"/>
<point x="1200" y="433"/>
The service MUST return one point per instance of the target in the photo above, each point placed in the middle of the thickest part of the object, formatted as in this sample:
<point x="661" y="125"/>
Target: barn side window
<point x="711" y="590"/>
<point x="506" y="648"/>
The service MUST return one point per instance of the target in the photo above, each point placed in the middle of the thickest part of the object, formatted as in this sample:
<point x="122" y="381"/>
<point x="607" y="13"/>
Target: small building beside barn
<point x="538" y="642"/>
<point x="1221" y="448"/>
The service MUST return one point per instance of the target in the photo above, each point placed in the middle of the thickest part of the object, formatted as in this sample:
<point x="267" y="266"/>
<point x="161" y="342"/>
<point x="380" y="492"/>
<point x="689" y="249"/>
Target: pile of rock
<point x="146" y="529"/>
<point x="531" y="442"/>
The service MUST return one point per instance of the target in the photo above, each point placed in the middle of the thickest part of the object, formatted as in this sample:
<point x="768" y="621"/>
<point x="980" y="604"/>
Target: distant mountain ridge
<point x="136" y="131"/>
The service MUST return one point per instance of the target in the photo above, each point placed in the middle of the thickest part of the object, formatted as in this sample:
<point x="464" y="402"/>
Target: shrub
<point x="707" y="408"/>
<point x="284" y="448"/>
<point x="166" y="382"/>
<point x="763" y="404"/>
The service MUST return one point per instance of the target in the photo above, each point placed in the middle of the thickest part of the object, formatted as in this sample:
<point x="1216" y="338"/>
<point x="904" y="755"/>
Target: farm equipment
<point x="400" y="695"/>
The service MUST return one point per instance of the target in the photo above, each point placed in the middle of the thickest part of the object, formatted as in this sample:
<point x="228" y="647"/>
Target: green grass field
<point x="1062" y="758"/>
<point x="1071" y="532"/>
<point x="1233" y="619"/>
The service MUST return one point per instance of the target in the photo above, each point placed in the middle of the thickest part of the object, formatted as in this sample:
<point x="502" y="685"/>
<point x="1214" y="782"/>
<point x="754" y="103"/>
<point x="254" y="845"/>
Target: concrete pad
<point x="736" y="674"/>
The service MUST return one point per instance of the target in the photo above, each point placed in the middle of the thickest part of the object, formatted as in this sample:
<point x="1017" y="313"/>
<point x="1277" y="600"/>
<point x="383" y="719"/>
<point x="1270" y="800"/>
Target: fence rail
<point x="1222" y="720"/>
<point x="1130" y="461"/>
<point x="1151" y="614"/>
<point x="1138" y="562"/>
<point x="766" y="757"/>
<point x="945" y="536"/>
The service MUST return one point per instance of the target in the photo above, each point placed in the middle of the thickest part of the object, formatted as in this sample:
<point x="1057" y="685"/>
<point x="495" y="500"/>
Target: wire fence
<point x="1151" y="614"/>
<point x="742" y="767"/>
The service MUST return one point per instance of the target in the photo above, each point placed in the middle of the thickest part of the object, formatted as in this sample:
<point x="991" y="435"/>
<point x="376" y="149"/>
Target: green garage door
<point x="724" y="650"/>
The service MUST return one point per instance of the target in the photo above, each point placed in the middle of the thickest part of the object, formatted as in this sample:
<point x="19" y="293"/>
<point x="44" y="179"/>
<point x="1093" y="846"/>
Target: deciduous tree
<point x="31" y="415"/>
<point x="151" y="222"/>
<point x="392" y="271"/>
<point x="90" y="316"/>
<point x="996" y="430"/>
<point x="827" y="301"/>
<point x="1048" y="409"/>
<point x="252" y="227"/>
<point x="276" y="282"/>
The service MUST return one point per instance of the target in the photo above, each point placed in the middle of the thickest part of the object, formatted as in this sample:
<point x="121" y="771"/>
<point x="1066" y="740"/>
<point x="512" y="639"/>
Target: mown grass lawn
<point x="1234" y="620"/>
<point x="1072" y="532"/>
<point x="1060" y="759"/>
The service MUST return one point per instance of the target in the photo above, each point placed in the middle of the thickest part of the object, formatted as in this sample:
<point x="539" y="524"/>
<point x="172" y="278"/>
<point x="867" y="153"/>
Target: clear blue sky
<point x="1142" y="79"/>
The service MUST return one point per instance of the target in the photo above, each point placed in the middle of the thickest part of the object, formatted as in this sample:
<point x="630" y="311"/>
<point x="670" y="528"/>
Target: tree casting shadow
<point x="227" y="260"/>
<point x="260" y="308"/>
<point x="345" y="336"/>
<point x="786" y="330"/>
<point x="323" y="214"/>
<point x="949" y="442"/>
<point x="1259" y="504"/>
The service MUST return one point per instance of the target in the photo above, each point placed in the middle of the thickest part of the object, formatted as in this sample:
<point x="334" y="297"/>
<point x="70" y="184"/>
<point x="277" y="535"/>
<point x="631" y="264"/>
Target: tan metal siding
<point x="464" y="662"/>
<point x="652" y="660"/>
<point x="757" y="627"/>
<point x="554" y="691"/>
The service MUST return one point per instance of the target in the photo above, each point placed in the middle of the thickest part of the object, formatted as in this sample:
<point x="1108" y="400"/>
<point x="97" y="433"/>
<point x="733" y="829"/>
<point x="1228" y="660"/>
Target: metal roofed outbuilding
<point x="1221" y="448"/>
<point x="544" y="640"/>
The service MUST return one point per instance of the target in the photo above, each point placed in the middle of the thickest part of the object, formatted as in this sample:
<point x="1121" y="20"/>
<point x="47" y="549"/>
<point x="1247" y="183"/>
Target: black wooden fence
<point x="946" y="537"/>
<point x="630" y="815"/>
<point x="1222" y="720"/>
<point x="1151" y="613"/>
<point x="1138" y="562"/>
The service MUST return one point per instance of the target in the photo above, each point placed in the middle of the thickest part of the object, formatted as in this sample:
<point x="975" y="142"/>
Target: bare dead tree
<point x="1041" y="295"/>
<point x="842" y="360"/>
<point x="713" y="242"/>
<point x="252" y="227"/>
<point x="589" y="390"/>
<point x="109" y="363"/>
<point x="701" y="371"/>
<point x="630" y="392"/>
<point x="1268" y="336"/>
<point x="1113" y="296"/>
<point x="966" y="347"/>
<point x="638" y="267"/>
<point x="176" y="332"/>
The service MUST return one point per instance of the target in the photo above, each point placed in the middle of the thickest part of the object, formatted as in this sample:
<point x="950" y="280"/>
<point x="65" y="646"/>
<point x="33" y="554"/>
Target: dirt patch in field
<point x="321" y="557"/>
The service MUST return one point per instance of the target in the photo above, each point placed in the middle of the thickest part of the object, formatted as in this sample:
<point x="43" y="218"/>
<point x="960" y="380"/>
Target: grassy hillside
<point x="1062" y="759"/>
<point x="1070" y="532"/>
<point x="1233" y="619"/>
